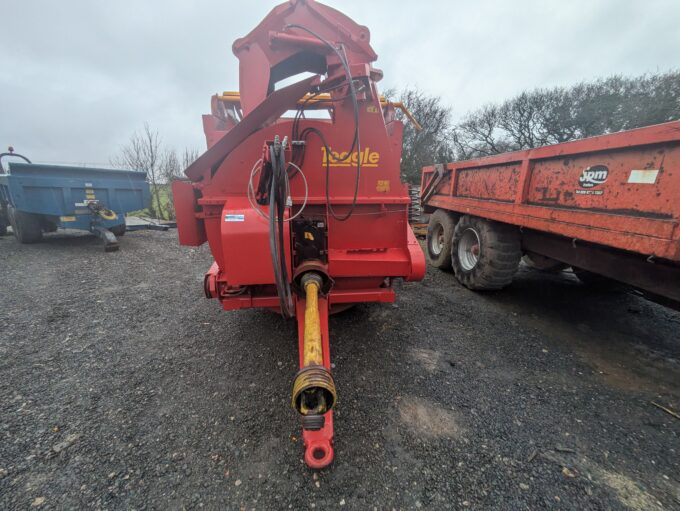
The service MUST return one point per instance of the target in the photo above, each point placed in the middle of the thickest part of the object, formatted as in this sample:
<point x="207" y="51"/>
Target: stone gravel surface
<point x="122" y="387"/>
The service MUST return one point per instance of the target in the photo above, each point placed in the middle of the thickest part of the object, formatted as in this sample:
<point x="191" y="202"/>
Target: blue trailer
<point x="37" y="198"/>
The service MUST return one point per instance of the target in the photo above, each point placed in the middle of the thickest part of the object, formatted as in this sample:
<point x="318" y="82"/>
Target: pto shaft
<point x="313" y="354"/>
<point x="314" y="389"/>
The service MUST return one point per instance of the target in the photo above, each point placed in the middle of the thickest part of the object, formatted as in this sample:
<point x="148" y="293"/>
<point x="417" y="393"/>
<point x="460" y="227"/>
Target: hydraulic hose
<point x="277" y="207"/>
<point x="356" y="142"/>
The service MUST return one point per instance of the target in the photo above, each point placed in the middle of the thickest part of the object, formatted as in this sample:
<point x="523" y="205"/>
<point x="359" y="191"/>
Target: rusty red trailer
<point x="607" y="205"/>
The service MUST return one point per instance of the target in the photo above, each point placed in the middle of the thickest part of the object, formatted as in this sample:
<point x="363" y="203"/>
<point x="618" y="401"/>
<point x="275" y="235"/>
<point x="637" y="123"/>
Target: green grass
<point x="166" y="204"/>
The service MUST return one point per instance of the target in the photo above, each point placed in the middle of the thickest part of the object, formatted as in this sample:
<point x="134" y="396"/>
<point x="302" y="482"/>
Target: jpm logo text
<point x="593" y="176"/>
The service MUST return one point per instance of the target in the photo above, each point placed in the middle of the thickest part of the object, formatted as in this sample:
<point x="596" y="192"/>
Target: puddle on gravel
<point x="629" y="492"/>
<point x="427" y="359"/>
<point x="630" y="371"/>
<point x="629" y="342"/>
<point x="427" y="418"/>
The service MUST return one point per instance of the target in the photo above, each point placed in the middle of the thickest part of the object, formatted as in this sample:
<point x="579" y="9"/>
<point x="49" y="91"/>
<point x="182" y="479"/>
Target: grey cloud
<point x="80" y="76"/>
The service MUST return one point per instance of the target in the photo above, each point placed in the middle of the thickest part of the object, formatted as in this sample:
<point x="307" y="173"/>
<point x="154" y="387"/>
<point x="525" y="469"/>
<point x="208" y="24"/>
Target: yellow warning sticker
<point x="382" y="185"/>
<point x="67" y="218"/>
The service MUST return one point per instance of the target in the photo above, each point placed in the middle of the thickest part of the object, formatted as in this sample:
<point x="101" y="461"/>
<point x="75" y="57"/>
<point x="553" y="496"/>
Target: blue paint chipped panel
<point x="63" y="191"/>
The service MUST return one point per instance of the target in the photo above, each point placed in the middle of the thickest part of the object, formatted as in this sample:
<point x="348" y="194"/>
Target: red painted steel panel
<point x="620" y="190"/>
<point x="555" y="182"/>
<point x="371" y="227"/>
<point x="191" y="230"/>
<point x="245" y="236"/>
<point x="498" y="182"/>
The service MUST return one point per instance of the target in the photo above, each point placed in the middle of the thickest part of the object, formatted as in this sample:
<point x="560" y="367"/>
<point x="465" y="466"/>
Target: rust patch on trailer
<point x="545" y="195"/>
<point x="499" y="182"/>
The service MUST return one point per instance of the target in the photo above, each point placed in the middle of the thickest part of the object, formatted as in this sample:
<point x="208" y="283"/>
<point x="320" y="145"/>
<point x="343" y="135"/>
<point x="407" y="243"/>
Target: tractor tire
<point x="26" y="226"/>
<point x="118" y="230"/>
<point x="485" y="255"/>
<point x="438" y="240"/>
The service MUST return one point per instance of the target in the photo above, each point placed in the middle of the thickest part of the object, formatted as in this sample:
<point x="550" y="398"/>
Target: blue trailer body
<point x="85" y="198"/>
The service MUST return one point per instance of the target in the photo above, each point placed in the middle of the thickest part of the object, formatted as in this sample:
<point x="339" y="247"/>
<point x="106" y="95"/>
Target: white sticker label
<point x="643" y="177"/>
<point x="88" y="185"/>
<point x="234" y="218"/>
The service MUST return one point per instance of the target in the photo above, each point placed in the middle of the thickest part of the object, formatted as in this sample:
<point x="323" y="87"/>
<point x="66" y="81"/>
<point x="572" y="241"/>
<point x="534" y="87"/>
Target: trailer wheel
<point x="439" y="235"/>
<point x="26" y="226"/>
<point x="118" y="230"/>
<point x="485" y="255"/>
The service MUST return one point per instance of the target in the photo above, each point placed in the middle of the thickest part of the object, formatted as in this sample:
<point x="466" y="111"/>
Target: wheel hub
<point x="437" y="240"/>
<point x="469" y="249"/>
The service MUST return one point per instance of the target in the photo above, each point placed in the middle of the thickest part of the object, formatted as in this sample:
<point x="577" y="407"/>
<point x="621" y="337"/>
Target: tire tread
<point x="500" y="254"/>
<point x="443" y="260"/>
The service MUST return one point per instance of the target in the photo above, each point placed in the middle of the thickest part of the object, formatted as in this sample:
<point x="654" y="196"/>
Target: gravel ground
<point x="121" y="387"/>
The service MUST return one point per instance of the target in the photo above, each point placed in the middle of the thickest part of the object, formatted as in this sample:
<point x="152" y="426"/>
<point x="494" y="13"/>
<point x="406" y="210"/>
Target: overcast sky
<point x="78" y="77"/>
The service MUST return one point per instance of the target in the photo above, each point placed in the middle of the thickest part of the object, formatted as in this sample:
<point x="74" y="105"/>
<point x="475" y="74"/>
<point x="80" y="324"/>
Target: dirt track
<point x="121" y="387"/>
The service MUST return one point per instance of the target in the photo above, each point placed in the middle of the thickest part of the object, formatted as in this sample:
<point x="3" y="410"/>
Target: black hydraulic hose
<point x="299" y="150"/>
<point x="282" y="199"/>
<point x="343" y="60"/>
<point x="272" y="229"/>
<point x="356" y="143"/>
<point x="276" y="218"/>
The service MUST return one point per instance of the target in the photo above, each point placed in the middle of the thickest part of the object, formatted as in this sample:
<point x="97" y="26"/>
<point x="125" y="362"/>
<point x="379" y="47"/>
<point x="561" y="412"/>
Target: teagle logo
<point x="593" y="176"/>
<point x="368" y="158"/>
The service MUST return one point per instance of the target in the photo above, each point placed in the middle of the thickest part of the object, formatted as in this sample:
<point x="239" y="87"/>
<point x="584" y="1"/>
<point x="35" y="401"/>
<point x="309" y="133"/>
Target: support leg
<point x="110" y="241"/>
<point x="318" y="443"/>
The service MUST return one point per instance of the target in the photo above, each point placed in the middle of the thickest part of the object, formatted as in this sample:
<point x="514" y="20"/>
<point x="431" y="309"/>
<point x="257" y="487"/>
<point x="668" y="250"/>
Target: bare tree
<point x="170" y="166"/>
<point x="173" y="168"/>
<point x="547" y="116"/>
<point x="143" y="153"/>
<point x="477" y="134"/>
<point x="430" y="145"/>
